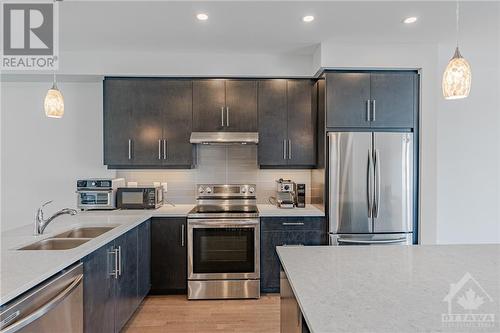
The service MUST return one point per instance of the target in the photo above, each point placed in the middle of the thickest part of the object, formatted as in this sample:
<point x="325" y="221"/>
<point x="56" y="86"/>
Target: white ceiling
<point x="260" y="27"/>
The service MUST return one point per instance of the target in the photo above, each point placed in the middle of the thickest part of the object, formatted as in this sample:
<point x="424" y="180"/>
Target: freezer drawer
<point x="371" y="239"/>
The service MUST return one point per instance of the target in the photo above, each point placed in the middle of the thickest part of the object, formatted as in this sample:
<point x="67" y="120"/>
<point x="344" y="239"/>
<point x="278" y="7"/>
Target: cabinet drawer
<point x="292" y="223"/>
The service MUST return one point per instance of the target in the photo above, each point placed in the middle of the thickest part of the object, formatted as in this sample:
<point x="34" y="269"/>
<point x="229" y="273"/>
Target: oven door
<point x="223" y="249"/>
<point x="95" y="199"/>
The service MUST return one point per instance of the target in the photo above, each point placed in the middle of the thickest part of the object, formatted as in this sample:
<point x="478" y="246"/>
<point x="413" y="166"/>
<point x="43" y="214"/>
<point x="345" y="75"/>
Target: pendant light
<point x="54" y="102"/>
<point x="457" y="77"/>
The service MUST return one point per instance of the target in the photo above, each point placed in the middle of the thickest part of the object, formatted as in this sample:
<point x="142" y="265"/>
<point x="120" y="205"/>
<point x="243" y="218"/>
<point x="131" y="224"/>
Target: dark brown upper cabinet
<point x="225" y="105"/>
<point x="147" y="123"/>
<point x="371" y="100"/>
<point x="287" y="123"/>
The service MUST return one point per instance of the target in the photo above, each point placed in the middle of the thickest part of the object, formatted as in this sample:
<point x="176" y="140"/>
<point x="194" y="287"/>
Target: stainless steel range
<point x="224" y="243"/>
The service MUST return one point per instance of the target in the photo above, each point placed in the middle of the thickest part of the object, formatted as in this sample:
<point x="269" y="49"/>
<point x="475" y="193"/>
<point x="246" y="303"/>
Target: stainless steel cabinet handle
<point x="17" y="326"/>
<point x="292" y="223"/>
<point x="129" y="149"/>
<point x="182" y="235"/>
<point x="114" y="271"/>
<point x="289" y="149"/>
<point x="368" y="110"/>
<point x="159" y="149"/>
<point x="374" y="110"/>
<point x="165" y="151"/>
<point x="369" y="185"/>
<point x="227" y="116"/>
<point x="284" y="149"/>
<point x="222" y="116"/>
<point x="376" y="201"/>
<point x="119" y="256"/>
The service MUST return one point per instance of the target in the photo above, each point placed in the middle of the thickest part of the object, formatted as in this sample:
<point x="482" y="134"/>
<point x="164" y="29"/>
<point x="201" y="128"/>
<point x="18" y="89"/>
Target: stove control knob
<point x="201" y="190"/>
<point x="251" y="190"/>
<point x="208" y="190"/>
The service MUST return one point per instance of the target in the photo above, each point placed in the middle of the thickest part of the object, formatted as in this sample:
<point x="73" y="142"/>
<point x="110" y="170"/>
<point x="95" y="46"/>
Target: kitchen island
<point x="391" y="288"/>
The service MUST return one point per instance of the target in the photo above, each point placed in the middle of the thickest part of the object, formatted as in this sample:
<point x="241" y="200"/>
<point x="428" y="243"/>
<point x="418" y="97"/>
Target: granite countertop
<point x="22" y="270"/>
<point x="394" y="288"/>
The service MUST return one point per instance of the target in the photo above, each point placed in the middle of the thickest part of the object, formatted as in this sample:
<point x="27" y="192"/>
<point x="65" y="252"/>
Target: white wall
<point x="41" y="157"/>
<point x="468" y="145"/>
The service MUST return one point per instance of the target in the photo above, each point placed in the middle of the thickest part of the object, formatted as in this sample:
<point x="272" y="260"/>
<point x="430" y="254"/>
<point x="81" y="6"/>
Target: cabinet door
<point x="126" y="284"/>
<point x="168" y="255"/>
<point x="394" y="99"/>
<point x="118" y="122"/>
<point x="272" y="123"/>
<point x="347" y="96"/>
<point x="241" y="104"/>
<point x="208" y="105"/>
<point x="148" y="104"/>
<point x="269" y="263"/>
<point x="301" y="124"/>
<point x="98" y="292"/>
<point x="143" y="260"/>
<point x="177" y="122"/>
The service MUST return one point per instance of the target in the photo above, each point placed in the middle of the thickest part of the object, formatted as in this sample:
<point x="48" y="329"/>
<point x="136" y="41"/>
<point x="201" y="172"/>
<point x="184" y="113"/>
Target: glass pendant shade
<point x="457" y="78"/>
<point x="54" y="103"/>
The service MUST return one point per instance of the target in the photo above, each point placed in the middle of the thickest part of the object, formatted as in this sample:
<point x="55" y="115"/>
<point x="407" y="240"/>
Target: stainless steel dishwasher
<point x="55" y="305"/>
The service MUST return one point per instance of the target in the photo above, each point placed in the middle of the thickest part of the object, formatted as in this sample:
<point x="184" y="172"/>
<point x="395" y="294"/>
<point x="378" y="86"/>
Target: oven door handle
<point x="222" y="223"/>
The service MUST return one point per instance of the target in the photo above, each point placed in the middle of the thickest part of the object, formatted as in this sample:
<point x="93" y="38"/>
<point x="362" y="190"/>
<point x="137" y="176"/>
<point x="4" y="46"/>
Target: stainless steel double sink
<point x="69" y="239"/>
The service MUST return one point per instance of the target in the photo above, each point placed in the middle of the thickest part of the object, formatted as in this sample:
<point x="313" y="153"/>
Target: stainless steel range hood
<point x="224" y="138"/>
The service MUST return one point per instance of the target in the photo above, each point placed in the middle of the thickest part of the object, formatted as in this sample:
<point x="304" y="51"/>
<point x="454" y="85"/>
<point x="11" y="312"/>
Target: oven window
<point x="223" y="250"/>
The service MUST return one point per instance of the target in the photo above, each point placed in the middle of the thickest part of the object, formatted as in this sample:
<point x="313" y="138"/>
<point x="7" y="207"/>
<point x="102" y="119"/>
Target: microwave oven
<point x="149" y="197"/>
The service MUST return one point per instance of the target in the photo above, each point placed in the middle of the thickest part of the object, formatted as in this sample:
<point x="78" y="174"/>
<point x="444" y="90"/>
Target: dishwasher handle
<point x="44" y="308"/>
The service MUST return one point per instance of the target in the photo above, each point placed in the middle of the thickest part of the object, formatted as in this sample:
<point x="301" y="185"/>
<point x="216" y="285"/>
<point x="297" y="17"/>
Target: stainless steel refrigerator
<point x="370" y="188"/>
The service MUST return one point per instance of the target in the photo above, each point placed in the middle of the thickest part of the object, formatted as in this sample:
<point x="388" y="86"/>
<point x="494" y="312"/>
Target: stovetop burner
<point x="225" y="201"/>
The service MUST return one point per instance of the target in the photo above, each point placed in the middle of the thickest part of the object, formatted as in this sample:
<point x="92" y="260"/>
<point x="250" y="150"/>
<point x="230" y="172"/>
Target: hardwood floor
<point x="174" y="313"/>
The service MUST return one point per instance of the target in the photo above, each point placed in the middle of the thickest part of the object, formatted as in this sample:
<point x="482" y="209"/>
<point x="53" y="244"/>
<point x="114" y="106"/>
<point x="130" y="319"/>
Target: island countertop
<point x="395" y="288"/>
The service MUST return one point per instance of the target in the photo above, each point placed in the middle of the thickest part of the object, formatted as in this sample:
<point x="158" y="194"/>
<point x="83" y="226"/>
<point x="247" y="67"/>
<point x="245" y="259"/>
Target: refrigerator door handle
<point x="369" y="185"/>
<point x="376" y="201"/>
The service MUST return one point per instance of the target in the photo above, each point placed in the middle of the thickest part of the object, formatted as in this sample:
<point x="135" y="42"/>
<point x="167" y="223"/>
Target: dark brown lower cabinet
<point x="282" y="231"/>
<point x="169" y="255"/>
<point x="115" y="281"/>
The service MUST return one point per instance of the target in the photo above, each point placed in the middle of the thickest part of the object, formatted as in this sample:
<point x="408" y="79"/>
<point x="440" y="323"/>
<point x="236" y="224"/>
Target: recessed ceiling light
<point x="202" y="16"/>
<point x="410" y="20"/>
<point x="308" y="18"/>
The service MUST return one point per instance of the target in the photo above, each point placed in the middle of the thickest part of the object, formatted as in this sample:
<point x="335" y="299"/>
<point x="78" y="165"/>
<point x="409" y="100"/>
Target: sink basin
<point x="55" y="244"/>
<point x="84" y="232"/>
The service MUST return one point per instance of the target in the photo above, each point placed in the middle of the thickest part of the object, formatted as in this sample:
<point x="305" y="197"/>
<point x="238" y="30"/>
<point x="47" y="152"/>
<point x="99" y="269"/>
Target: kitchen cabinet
<point x="279" y="231"/>
<point x="98" y="292"/>
<point x="169" y="255"/>
<point x="287" y="124"/>
<point x="144" y="259"/>
<point x="147" y="123"/>
<point x="225" y="105"/>
<point x="112" y="277"/>
<point x="371" y="99"/>
<point x="126" y="300"/>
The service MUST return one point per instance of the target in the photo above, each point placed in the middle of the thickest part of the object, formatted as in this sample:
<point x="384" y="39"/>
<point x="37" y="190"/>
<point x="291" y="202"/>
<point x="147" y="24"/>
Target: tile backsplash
<point x="219" y="164"/>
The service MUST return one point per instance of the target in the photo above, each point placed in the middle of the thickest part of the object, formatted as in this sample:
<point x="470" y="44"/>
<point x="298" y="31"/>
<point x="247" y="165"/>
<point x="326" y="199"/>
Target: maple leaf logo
<point x="470" y="301"/>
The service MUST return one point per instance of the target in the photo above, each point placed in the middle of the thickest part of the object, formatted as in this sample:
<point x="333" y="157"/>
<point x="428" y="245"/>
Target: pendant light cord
<point x="457" y="20"/>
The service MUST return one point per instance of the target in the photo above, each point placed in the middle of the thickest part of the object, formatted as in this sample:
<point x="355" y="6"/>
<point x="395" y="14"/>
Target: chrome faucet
<point x="41" y="223"/>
